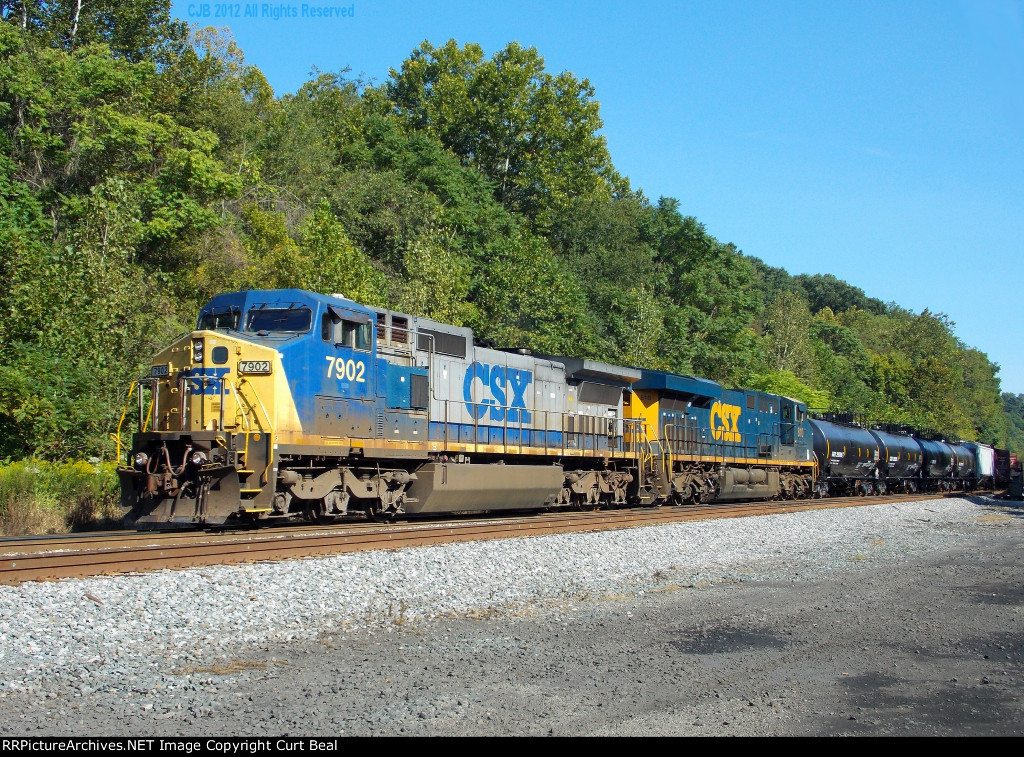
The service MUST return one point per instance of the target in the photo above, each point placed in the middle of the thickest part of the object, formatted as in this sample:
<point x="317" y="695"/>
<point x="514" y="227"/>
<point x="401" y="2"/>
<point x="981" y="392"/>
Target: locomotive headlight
<point x="197" y="350"/>
<point x="198" y="458"/>
<point x="141" y="459"/>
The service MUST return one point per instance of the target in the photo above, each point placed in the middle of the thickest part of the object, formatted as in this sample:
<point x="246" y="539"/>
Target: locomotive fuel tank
<point x="939" y="459"/>
<point x="844" y="451"/>
<point x="900" y="456"/>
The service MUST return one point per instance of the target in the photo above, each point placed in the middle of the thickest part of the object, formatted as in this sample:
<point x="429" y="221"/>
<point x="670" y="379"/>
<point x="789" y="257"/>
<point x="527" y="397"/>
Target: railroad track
<point x="78" y="556"/>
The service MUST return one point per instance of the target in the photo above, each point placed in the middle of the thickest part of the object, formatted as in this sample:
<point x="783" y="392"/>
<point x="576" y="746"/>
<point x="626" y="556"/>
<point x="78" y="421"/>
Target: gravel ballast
<point x="173" y="651"/>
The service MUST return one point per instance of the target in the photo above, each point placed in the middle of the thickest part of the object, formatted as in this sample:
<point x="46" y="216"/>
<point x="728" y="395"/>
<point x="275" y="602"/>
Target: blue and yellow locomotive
<point x="289" y="404"/>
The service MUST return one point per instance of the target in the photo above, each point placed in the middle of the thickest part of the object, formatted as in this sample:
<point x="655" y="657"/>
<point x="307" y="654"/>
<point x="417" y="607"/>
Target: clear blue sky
<point x="882" y="142"/>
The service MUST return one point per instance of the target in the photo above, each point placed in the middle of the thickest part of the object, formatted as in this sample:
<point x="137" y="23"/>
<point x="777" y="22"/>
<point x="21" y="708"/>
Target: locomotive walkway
<point x="108" y="553"/>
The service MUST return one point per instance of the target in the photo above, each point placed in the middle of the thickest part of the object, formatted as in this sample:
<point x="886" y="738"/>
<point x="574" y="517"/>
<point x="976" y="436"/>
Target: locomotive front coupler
<point x="165" y="460"/>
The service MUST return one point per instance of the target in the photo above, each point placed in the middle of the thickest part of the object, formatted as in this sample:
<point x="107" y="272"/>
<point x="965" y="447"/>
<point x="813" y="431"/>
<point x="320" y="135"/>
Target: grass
<point x="40" y="497"/>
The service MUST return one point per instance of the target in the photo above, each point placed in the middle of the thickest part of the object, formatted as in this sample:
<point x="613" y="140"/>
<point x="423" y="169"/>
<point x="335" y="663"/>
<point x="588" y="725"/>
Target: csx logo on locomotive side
<point x="493" y="397"/>
<point x="725" y="422"/>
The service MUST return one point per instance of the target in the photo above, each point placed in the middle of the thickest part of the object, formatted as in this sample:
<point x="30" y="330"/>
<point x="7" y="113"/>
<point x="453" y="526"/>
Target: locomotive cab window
<point x="357" y="335"/>
<point x="272" y="319"/>
<point x="342" y="332"/>
<point x="220" y="319"/>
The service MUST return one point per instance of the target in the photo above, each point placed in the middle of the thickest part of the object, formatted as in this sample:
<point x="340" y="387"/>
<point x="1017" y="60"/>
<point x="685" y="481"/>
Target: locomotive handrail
<point x="245" y="420"/>
<point x="270" y="425"/>
<point x="116" y="436"/>
<point x="695" y="442"/>
<point x="185" y="387"/>
<point x="546" y="427"/>
<point x="143" y="420"/>
<point x="268" y="430"/>
<point x="151" y="413"/>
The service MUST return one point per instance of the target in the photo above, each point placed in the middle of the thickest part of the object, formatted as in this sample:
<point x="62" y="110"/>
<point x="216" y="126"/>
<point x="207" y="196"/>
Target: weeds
<point x="39" y="497"/>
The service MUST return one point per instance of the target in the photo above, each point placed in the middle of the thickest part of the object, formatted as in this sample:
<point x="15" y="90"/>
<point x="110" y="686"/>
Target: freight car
<point x="1006" y="464"/>
<point x="985" y="459"/>
<point x="285" y="404"/>
<point x="859" y="460"/>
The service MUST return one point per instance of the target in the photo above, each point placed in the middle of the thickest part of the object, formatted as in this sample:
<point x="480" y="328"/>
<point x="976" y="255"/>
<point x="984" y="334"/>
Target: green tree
<point x="437" y="279"/>
<point x="643" y="333"/>
<point x="533" y="134"/>
<point x="1013" y="408"/>
<point x="100" y="195"/>
<point x="334" y="265"/>
<point x="711" y="285"/>
<point x="135" y="30"/>
<point x="787" y="384"/>
<point x="827" y="291"/>
<point x="772" y="281"/>
<point x="787" y="325"/>
<point x="527" y="299"/>
<point x="981" y="398"/>
<point x="841" y="364"/>
<point x="322" y="260"/>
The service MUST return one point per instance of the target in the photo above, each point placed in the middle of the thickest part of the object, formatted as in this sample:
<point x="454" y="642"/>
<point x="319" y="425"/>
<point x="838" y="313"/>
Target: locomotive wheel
<point x="684" y="496"/>
<point x="313" y="511"/>
<point x="377" y="514"/>
<point x="581" y="505"/>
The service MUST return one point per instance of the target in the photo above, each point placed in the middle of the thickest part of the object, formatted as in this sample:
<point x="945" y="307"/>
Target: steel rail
<point x="40" y="559"/>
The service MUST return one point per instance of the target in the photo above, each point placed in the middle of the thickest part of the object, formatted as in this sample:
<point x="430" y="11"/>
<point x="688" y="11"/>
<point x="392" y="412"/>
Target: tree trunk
<point x="74" y="25"/>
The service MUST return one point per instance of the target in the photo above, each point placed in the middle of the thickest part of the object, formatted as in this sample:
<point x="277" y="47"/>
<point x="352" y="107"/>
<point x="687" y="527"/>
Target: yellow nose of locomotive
<point x="205" y="448"/>
<point x="198" y="380"/>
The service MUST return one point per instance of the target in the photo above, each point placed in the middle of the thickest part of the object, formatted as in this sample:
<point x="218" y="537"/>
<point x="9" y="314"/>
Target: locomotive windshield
<point x="296" y="319"/>
<point x="220" y="319"/>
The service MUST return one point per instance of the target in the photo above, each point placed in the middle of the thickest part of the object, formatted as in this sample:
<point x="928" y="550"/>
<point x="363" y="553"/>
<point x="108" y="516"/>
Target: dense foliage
<point x="1014" y="406"/>
<point x="145" y="167"/>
